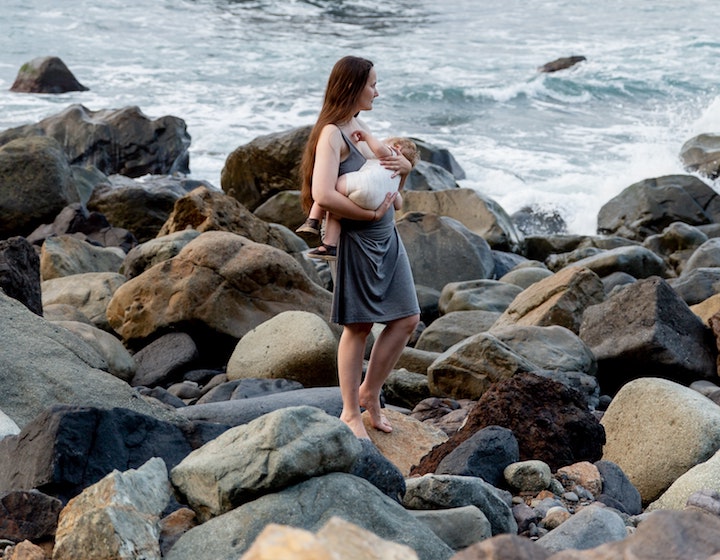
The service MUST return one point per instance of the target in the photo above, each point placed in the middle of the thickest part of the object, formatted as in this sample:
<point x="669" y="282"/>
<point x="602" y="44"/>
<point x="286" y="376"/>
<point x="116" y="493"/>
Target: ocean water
<point x="461" y="74"/>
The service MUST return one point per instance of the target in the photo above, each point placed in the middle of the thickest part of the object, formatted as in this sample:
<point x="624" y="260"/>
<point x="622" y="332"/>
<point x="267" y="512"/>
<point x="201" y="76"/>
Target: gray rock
<point x="588" y="528"/>
<point x="35" y="183"/>
<point x="309" y="505"/>
<point x="701" y="154"/>
<point x="647" y="330"/>
<point x="528" y="476"/>
<point x="443" y="250"/>
<point x="649" y="206"/>
<point x="164" y="359"/>
<point x="618" y="487"/>
<point x="275" y="451"/>
<point x="374" y="467"/>
<point x="458" y="527"/>
<point x="32" y="347"/>
<point x="242" y="411"/>
<point x="145" y="255"/>
<point x="67" y="255"/>
<point x="478" y="295"/>
<point x="453" y="327"/>
<point x="697" y="285"/>
<point x="447" y="491"/>
<point x="485" y="454"/>
<point x="119" y="513"/>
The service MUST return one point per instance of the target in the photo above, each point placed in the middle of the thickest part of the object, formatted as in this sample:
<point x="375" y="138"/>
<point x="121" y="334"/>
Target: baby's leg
<point x="341" y="185"/>
<point x="332" y="230"/>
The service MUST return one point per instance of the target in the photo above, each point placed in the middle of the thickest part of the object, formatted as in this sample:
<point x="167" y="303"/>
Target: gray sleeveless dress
<point x="374" y="282"/>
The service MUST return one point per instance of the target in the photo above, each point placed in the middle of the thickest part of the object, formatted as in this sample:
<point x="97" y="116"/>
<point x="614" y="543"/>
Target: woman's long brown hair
<point x="346" y="82"/>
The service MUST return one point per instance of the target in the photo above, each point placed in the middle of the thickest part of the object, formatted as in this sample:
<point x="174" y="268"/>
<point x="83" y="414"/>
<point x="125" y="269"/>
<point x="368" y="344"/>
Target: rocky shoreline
<point x="169" y="371"/>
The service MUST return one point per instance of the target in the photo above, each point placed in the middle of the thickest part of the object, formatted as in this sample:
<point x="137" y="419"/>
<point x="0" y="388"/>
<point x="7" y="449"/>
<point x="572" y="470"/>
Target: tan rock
<point x="707" y="308"/>
<point x="117" y="517"/>
<point x="64" y="255"/>
<point x="281" y="541"/>
<point x="90" y="293"/>
<point x="26" y="550"/>
<point x="584" y="474"/>
<point x="296" y="345"/>
<point x="336" y="540"/>
<point x="468" y="369"/>
<point x="220" y="281"/>
<point x="409" y="441"/>
<point x="478" y="213"/>
<point x="657" y="430"/>
<point x="560" y="300"/>
<point x="205" y="209"/>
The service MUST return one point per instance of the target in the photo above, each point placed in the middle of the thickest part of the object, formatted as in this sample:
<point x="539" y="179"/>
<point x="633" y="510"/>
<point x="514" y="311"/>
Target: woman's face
<point x="369" y="92"/>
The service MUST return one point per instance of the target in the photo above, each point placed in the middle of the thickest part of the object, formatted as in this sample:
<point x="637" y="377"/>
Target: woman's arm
<point x="325" y="174"/>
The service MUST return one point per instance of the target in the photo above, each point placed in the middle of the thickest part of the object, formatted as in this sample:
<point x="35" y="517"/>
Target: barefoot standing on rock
<point x="374" y="282"/>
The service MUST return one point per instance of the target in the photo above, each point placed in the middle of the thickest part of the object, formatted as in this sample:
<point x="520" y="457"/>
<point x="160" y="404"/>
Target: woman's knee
<point x="408" y="324"/>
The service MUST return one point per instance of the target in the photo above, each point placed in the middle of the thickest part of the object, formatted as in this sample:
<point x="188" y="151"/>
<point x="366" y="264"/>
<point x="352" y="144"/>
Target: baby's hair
<point x="407" y="147"/>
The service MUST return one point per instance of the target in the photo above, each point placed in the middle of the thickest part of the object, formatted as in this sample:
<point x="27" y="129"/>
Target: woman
<point x="373" y="282"/>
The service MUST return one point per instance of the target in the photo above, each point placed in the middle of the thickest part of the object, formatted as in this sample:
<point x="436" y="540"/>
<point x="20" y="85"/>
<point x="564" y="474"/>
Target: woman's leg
<point x="385" y="353"/>
<point x="351" y="352"/>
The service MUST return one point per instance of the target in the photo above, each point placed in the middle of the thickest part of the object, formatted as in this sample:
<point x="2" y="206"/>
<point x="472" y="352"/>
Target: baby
<point x="366" y="187"/>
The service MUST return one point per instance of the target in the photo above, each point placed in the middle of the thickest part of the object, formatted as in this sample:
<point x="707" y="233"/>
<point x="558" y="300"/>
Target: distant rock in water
<point x="532" y="220"/>
<point x="46" y="74"/>
<point x="561" y="63"/>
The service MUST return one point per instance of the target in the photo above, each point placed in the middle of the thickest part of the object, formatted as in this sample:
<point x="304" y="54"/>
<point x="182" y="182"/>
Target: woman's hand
<point x="381" y="210"/>
<point x="397" y="163"/>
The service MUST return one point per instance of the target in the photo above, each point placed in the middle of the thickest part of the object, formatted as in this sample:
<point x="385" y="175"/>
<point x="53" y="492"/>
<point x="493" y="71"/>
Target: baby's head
<point x="408" y="148"/>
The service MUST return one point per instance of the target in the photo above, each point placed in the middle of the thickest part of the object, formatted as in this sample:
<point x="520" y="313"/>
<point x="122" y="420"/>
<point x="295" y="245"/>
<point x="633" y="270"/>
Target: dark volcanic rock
<point x="550" y="421"/>
<point x="47" y="74"/>
<point x="68" y="448"/>
<point x="123" y="141"/>
<point x="28" y="515"/>
<point x="20" y="273"/>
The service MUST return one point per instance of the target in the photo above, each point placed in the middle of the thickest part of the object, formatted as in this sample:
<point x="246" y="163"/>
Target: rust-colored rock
<point x="550" y="421"/>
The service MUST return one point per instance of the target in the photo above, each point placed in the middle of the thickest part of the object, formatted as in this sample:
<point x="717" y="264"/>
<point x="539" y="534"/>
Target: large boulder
<point x="560" y="299"/>
<point x="204" y="209"/>
<point x="275" y="451"/>
<point x="309" y="505"/>
<point x="647" y="207"/>
<point x="47" y="74"/>
<point x="42" y="364"/>
<point x="121" y="141"/>
<point x="478" y="213"/>
<point x="647" y="330"/>
<point x="296" y="345"/>
<point x="269" y="164"/>
<point x="701" y="154"/>
<point x="219" y="286"/>
<point x="443" y="250"/>
<point x="35" y="184"/>
<point x="67" y="448"/>
<point x="657" y="430"/>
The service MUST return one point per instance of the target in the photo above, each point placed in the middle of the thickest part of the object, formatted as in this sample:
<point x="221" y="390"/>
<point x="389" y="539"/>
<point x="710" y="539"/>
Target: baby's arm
<point x="378" y="148"/>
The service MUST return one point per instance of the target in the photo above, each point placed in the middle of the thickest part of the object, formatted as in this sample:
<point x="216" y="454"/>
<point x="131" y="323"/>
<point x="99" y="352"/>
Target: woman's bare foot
<point x="355" y="423"/>
<point x="377" y="419"/>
